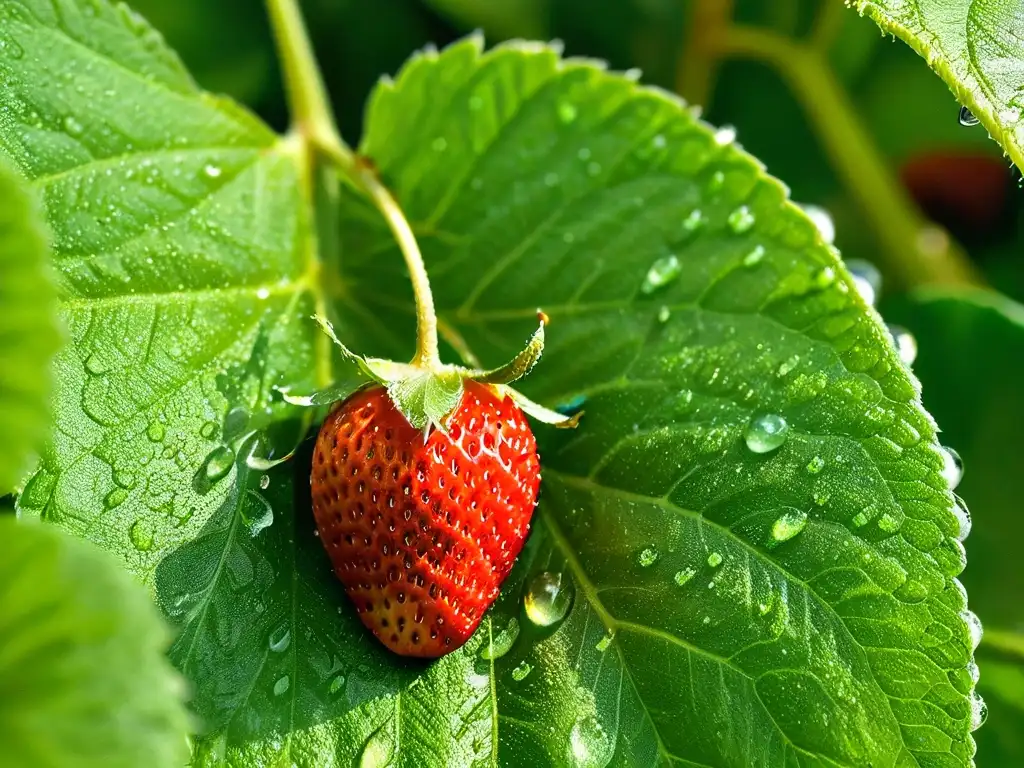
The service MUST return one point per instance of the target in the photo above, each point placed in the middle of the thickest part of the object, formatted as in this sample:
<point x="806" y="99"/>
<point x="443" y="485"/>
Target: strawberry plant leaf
<point x="804" y="598"/>
<point x="180" y="238"/>
<point x="977" y="402"/>
<point x="28" y="330"/>
<point x="975" y="48"/>
<point x="79" y="641"/>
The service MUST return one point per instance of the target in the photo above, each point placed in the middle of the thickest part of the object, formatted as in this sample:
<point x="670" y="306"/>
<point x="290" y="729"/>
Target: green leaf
<point x="83" y="677"/>
<point x="28" y="332"/>
<point x="975" y="48"/>
<point x="971" y="362"/>
<point x="794" y="605"/>
<point x="185" y="269"/>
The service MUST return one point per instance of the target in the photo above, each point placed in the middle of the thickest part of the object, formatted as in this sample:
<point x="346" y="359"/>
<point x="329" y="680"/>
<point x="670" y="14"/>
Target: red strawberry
<point x="423" y="532"/>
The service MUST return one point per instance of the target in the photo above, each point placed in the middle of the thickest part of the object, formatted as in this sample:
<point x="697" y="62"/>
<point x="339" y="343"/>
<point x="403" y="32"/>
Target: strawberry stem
<point x="313" y="121"/>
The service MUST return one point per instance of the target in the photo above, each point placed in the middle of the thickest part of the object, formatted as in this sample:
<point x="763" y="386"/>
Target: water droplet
<point x="822" y="222"/>
<point x="211" y="170"/>
<point x="788" y="525"/>
<point x="952" y="467"/>
<point x="95" y="366"/>
<point x="155" y="431"/>
<point x="208" y="430"/>
<point x="264" y="482"/>
<point x="440" y="144"/>
<point x="754" y="257"/>
<point x="256" y="513"/>
<point x="141" y="535"/>
<point x="566" y="112"/>
<point x="714" y="559"/>
<point x="741" y="220"/>
<point x="115" y="498"/>
<point x="963" y="516"/>
<point x="682" y="577"/>
<point x="693" y="221"/>
<point x="815" y="465"/>
<point x="589" y="744"/>
<point x="500" y="643"/>
<point x="825" y="277"/>
<point x="605" y="642"/>
<point x="906" y="344"/>
<point x="521" y="671"/>
<point x="336" y="684"/>
<point x="866" y="279"/>
<point x="979" y="711"/>
<point x="766" y="433"/>
<point x="725" y="135"/>
<point x="967" y="117"/>
<point x="664" y="314"/>
<point x="786" y="366"/>
<point x="72" y="126"/>
<point x="378" y="750"/>
<point x="548" y="598"/>
<point x="281" y="685"/>
<point x="887" y="523"/>
<point x="661" y="273"/>
<point x="860" y="519"/>
<point x="973" y="627"/>
<point x="218" y="463"/>
<point x="280" y="639"/>
<point x="648" y="556"/>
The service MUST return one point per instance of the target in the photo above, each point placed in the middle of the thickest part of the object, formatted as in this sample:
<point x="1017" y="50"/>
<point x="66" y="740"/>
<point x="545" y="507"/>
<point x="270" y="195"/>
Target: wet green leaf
<point x="975" y="48"/>
<point x="971" y="362"/>
<point x="28" y="330"/>
<point x="83" y="677"/>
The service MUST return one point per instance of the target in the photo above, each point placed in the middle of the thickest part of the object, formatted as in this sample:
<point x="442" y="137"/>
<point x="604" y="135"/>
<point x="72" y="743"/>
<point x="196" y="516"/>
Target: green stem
<point x="1010" y="643"/>
<point x="913" y="250"/>
<point x="827" y="25"/>
<point x="313" y="124"/>
<point x="698" y="65"/>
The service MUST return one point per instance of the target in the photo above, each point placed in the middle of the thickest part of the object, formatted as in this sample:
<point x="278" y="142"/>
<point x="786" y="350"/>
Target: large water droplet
<point x="963" y="516"/>
<point x="967" y="117"/>
<point x="979" y="711"/>
<point x="256" y="512"/>
<point x="815" y="465"/>
<point x="693" y="221"/>
<point x="741" y="220"/>
<point x="379" y="749"/>
<point x="141" y="535"/>
<point x="218" y="463"/>
<point x="714" y="559"/>
<point x="952" y="467"/>
<point x="95" y="366"/>
<point x="822" y="222"/>
<point x="281" y="685"/>
<point x="906" y="344"/>
<point x="766" y="433"/>
<point x="521" y="671"/>
<point x="648" y="556"/>
<point x="280" y="639"/>
<point x="155" y="431"/>
<point x="973" y="627"/>
<point x="548" y="598"/>
<point x="788" y="525"/>
<point x="264" y="482"/>
<point x="115" y="498"/>
<point x="661" y="273"/>
<point x="866" y="279"/>
<point x="683" y="577"/>
<point x="500" y="643"/>
<point x="336" y="684"/>
<point x="589" y="744"/>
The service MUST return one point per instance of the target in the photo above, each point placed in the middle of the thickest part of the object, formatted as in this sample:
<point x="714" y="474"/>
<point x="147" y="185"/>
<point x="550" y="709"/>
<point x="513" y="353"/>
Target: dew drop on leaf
<point x="141" y="535"/>
<point x="741" y="220"/>
<point x="815" y="465"/>
<point x="566" y="113"/>
<point x="766" y="433"/>
<point x="866" y="279"/>
<point x="952" y="467"/>
<point x="589" y="744"/>
<point x="661" y="273"/>
<point x="521" y="671"/>
<point x="973" y="627"/>
<point x="605" y="642"/>
<point x="501" y="642"/>
<point x="219" y="462"/>
<point x="683" y="577"/>
<point x="336" y="684"/>
<point x="648" y="556"/>
<point x="264" y="482"/>
<point x="888" y="524"/>
<point x="906" y="344"/>
<point x="115" y="498"/>
<point x="967" y="117"/>
<point x="755" y="257"/>
<point x="125" y="478"/>
<point x="155" y="431"/>
<point x="256" y="512"/>
<point x="212" y="171"/>
<point x="963" y="516"/>
<point x="548" y="598"/>
<point x="825" y="277"/>
<point x="979" y="711"/>
<point x="788" y="525"/>
<point x="725" y="135"/>
<point x="281" y="685"/>
<point x="822" y="222"/>
<point x="664" y="314"/>
<point x="280" y="639"/>
<point x="95" y="366"/>
<point x="693" y="221"/>
<point x="714" y="560"/>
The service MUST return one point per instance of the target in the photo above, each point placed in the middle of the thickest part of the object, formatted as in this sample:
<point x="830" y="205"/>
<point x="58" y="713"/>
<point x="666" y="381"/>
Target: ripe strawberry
<point x="423" y="532"/>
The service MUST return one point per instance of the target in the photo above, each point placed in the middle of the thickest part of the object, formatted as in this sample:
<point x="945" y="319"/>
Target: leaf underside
<point x="976" y="48"/>
<point x="530" y="182"/>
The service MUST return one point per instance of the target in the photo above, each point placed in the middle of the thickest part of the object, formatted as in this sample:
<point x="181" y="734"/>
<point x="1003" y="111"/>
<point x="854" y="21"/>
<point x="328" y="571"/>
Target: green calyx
<point x="427" y="394"/>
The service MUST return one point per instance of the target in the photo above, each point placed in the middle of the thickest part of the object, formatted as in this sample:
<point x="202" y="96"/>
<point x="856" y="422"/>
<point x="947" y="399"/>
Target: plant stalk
<point x="313" y="123"/>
